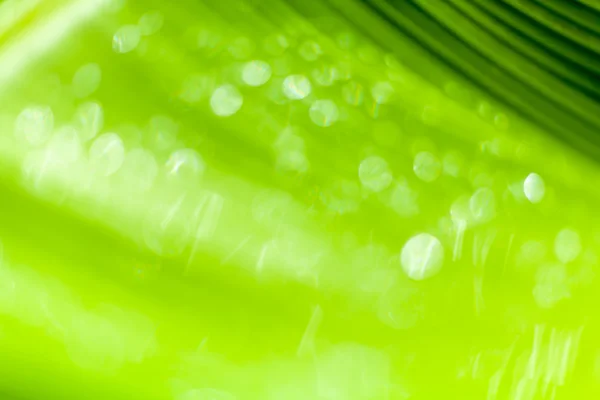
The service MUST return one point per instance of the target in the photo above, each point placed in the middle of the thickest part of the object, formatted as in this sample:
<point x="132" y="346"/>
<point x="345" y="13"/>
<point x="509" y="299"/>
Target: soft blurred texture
<point x="299" y="199"/>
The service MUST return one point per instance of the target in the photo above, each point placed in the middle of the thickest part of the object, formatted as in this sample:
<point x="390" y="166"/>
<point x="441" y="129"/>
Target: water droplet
<point x="65" y="145"/>
<point x="426" y="166"/>
<point x="501" y="121"/>
<point x="89" y="119"/>
<point x="534" y="188"/>
<point x="483" y="205"/>
<point x="382" y="92"/>
<point x="151" y="22"/>
<point x="226" y="100"/>
<point x="551" y="285"/>
<point x="323" y="113"/>
<point x="86" y="80"/>
<point x="276" y="44"/>
<point x="531" y="254"/>
<point x="485" y="110"/>
<point x="34" y="124"/>
<point x="196" y="87"/>
<point x="241" y="48"/>
<point x="453" y="163"/>
<point x="293" y="160"/>
<point x="374" y="173"/>
<point x="422" y="256"/>
<point x="107" y="154"/>
<point x="296" y="87"/>
<point x="567" y="245"/>
<point x="256" y="73"/>
<point x="126" y="39"/>
<point x="289" y="139"/>
<point x="185" y="165"/>
<point x="404" y="200"/>
<point x="310" y="50"/>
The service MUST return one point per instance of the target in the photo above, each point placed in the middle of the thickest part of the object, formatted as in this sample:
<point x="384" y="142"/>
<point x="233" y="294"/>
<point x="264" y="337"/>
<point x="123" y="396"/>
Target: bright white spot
<point x="185" y="164"/>
<point x="126" y="39"/>
<point x="107" y="154"/>
<point x="34" y="124"/>
<point x="534" y="188"/>
<point x="151" y="22"/>
<point x="86" y="80"/>
<point x="296" y="87"/>
<point x="374" y="173"/>
<point x="196" y="88"/>
<point x="422" y="256"/>
<point x="404" y="200"/>
<point x="256" y="73"/>
<point x="139" y="170"/>
<point x="382" y="92"/>
<point x="426" y="166"/>
<point x="89" y="119"/>
<point x="483" y="205"/>
<point x="226" y="100"/>
<point x="567" y="245"/>
<point x="323" y="113"/>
